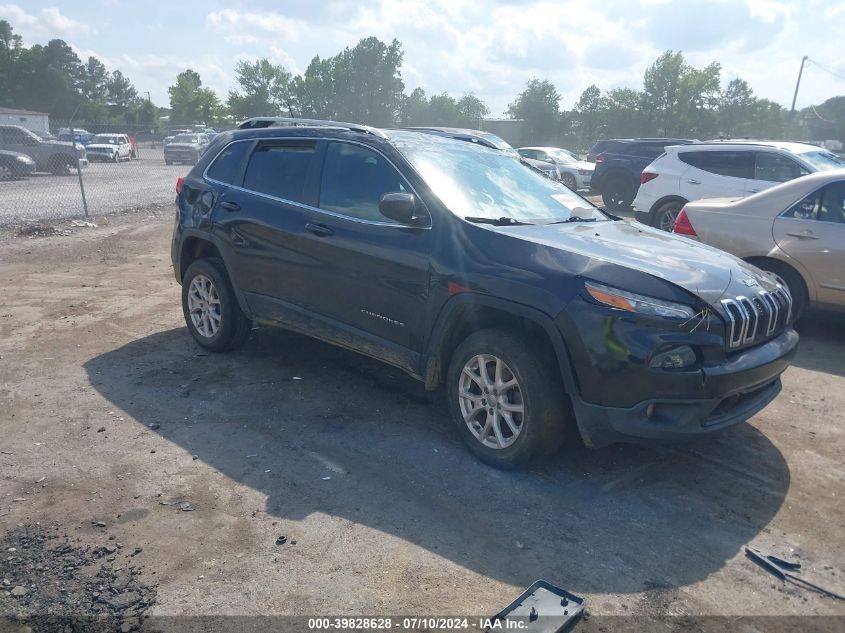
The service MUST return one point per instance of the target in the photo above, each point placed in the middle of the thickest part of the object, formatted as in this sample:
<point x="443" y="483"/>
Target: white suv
<point x="718" y="169"/>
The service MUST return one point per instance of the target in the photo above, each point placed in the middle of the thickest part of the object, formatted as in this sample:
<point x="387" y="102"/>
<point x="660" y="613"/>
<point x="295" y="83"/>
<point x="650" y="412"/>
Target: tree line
<point x="363" y="83"/>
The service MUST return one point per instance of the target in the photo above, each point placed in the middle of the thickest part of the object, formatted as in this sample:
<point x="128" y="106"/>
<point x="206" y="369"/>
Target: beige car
<point x="795" y="230"/>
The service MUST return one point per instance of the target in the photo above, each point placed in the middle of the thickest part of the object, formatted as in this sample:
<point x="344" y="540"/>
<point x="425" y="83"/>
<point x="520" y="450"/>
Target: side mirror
<point x="399" y="206"/>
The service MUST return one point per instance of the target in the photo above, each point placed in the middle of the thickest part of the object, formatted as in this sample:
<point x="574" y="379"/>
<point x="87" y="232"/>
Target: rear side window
<point x="776" y="168"/>
<point x="354" y="180"/>
<point x="723" y="163"/>
<point x="646" y="150"/>
<point x="279" y="169"/>
<point x="226" y="167"/>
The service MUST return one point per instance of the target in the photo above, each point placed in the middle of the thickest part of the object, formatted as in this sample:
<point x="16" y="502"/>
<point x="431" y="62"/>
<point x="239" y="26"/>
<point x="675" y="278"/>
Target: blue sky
<point x="490" y="48"/>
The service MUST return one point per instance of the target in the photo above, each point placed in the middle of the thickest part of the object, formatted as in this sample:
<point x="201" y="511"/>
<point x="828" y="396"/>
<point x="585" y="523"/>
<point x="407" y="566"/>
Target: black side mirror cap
<point x="400" y="206"/>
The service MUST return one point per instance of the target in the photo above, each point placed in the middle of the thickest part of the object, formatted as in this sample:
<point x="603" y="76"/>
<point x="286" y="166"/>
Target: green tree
<point x="190" y="102"/>
<point x="539" y="105"/>
<point x="681" y="100"/>
<point x="265" y="90"/>
<point x="361" y="84"/>
<point x="470" y="111"/>
<point x="414" y="109"/>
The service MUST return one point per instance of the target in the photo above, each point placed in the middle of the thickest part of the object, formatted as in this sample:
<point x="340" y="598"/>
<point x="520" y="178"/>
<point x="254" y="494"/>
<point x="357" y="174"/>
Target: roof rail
<point x="279" y="121"/>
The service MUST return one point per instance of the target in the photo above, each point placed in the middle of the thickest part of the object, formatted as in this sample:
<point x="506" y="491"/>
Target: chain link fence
<point x="55" y="191"/>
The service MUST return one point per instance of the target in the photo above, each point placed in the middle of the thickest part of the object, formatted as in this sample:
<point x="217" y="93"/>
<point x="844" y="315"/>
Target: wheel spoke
<point x="497" y="429"/>
<point x="511" y="424"/>
<point x="483" y="371"/>
<point x="512" y="407"/>
<point x="474" y="397"/>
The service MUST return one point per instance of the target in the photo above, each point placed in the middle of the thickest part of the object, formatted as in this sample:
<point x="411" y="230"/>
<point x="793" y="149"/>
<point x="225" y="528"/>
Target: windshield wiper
<point x="503" y="221"/>
<point x="573" y="218"/>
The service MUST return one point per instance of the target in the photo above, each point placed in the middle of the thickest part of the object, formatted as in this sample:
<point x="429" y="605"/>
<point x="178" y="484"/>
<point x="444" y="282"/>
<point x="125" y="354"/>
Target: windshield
<point x="105" y="139"/>
<point x="824" y="160"/>
<point x="185" y="138"/>
<point x="482" y="183"/>
<point x="497" y="142"/>
<point x="563" y="156"/>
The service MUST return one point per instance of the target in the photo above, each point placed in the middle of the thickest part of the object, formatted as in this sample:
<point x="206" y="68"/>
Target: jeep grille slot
<point x="751" y="319"/>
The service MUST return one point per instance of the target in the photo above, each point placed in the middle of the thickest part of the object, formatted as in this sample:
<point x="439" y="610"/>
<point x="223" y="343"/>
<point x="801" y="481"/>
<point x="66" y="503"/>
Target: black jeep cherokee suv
<point x="463" y="267"/>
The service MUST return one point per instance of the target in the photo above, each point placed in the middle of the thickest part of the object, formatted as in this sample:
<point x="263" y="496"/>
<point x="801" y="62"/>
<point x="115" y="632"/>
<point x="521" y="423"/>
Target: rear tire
<point x="666" y="214"/>
<point x="509" y="416"/>
<point x="211" y="309"/>
<point x="793" y="281"/>
<point x="617" y="195"/>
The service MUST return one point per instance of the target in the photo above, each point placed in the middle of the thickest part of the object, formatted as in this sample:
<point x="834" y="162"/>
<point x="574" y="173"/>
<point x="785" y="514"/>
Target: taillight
<point x="646" y="176"/>
<point x="683" y="225"/>
<point x="600" y="158"/>
<point x="179" y="181"/>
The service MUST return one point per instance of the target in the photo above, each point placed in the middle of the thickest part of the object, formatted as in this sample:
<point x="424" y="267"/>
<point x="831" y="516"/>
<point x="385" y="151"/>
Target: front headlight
<point x="24" y="159"/>
<point x="632" y="302"/>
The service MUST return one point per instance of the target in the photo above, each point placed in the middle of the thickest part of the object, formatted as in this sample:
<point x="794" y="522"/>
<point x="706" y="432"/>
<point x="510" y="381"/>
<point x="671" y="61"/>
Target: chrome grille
<point x="757" y="316"/>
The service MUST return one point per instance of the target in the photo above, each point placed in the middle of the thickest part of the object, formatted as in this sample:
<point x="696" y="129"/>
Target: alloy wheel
<point x="491" y="402"/>
<point x="667" y="219"/>
<point x="204" y="306"/>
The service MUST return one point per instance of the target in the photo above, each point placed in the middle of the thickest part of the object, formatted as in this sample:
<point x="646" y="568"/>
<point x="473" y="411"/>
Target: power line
<point x="824" y="68"/>
<point x="819" y="115"/>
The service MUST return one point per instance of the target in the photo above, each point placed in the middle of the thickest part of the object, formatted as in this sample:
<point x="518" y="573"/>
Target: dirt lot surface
<point x="116" y="428"/>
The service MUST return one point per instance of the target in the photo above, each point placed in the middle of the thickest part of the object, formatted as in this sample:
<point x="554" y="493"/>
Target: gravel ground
<point x="109" y="412"/>
<point x="109" y="188"/>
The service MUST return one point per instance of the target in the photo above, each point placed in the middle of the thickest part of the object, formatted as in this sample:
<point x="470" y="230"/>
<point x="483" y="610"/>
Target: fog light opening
<point x="675" y="358"/>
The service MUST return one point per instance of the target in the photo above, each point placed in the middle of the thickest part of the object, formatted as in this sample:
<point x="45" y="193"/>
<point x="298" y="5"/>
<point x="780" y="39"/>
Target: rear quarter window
<point x="280" y="169"/>
<point x="723" y="163"/>
<point x="228" y="165"/>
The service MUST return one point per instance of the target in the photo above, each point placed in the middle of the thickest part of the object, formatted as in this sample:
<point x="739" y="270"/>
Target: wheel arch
<point x="757" y="260"/>
<point x="196" y="247"/>
<point x="468" y="312"/>
<point x="661" y="201"/>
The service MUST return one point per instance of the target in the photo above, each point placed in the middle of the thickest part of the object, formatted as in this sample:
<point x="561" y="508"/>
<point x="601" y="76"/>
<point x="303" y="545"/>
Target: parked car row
<point x="57" y="157"/>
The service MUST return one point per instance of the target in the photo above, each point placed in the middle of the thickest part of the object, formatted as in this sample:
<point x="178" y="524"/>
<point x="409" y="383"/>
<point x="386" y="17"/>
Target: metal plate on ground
<point x="542" y="608"/>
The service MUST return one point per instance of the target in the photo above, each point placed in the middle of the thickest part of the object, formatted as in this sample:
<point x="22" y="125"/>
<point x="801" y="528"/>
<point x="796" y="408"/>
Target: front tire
<point x="211" y="310"/>
<point x="617" y="195"/>
<point x="506" y="398"/>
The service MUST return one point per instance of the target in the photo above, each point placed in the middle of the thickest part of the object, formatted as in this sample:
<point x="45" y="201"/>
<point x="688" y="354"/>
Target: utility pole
<point x="798" y="83"/>
<point x="148" y="96"/>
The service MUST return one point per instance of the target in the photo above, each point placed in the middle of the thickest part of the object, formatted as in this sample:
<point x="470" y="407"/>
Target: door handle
<point x="231" y="207"/>
<point x="694" y="182"/>
<point x="806" y="235"/>
<point x="320" y="230"/>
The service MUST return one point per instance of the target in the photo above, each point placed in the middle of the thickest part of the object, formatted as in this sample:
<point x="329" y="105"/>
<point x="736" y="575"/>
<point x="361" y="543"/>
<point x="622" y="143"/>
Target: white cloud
<point x="245" y="23"/>
<point x="49" y="23"/>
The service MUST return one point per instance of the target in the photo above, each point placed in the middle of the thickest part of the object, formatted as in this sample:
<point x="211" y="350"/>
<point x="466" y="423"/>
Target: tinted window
<point x="776" y="168"/>
<point x="279" y="169"/>
<point x="226" y="167"/>
<point x="645" y="150"/>
<point x="724" y="163"/>
<point x="832" y="208"/>
<point x="354" y="180"/>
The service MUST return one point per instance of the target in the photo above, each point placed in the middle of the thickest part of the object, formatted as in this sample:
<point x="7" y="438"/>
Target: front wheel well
<point x="470" y="318"/>
<point x="194" y="248"/>
<point x="664" y="200"/>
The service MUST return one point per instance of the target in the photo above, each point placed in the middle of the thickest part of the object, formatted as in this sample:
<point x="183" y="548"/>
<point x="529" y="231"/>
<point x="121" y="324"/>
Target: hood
<point x="581" y="165"/>
<point x="704" y="271"/>
<point x="60" y="143"/>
